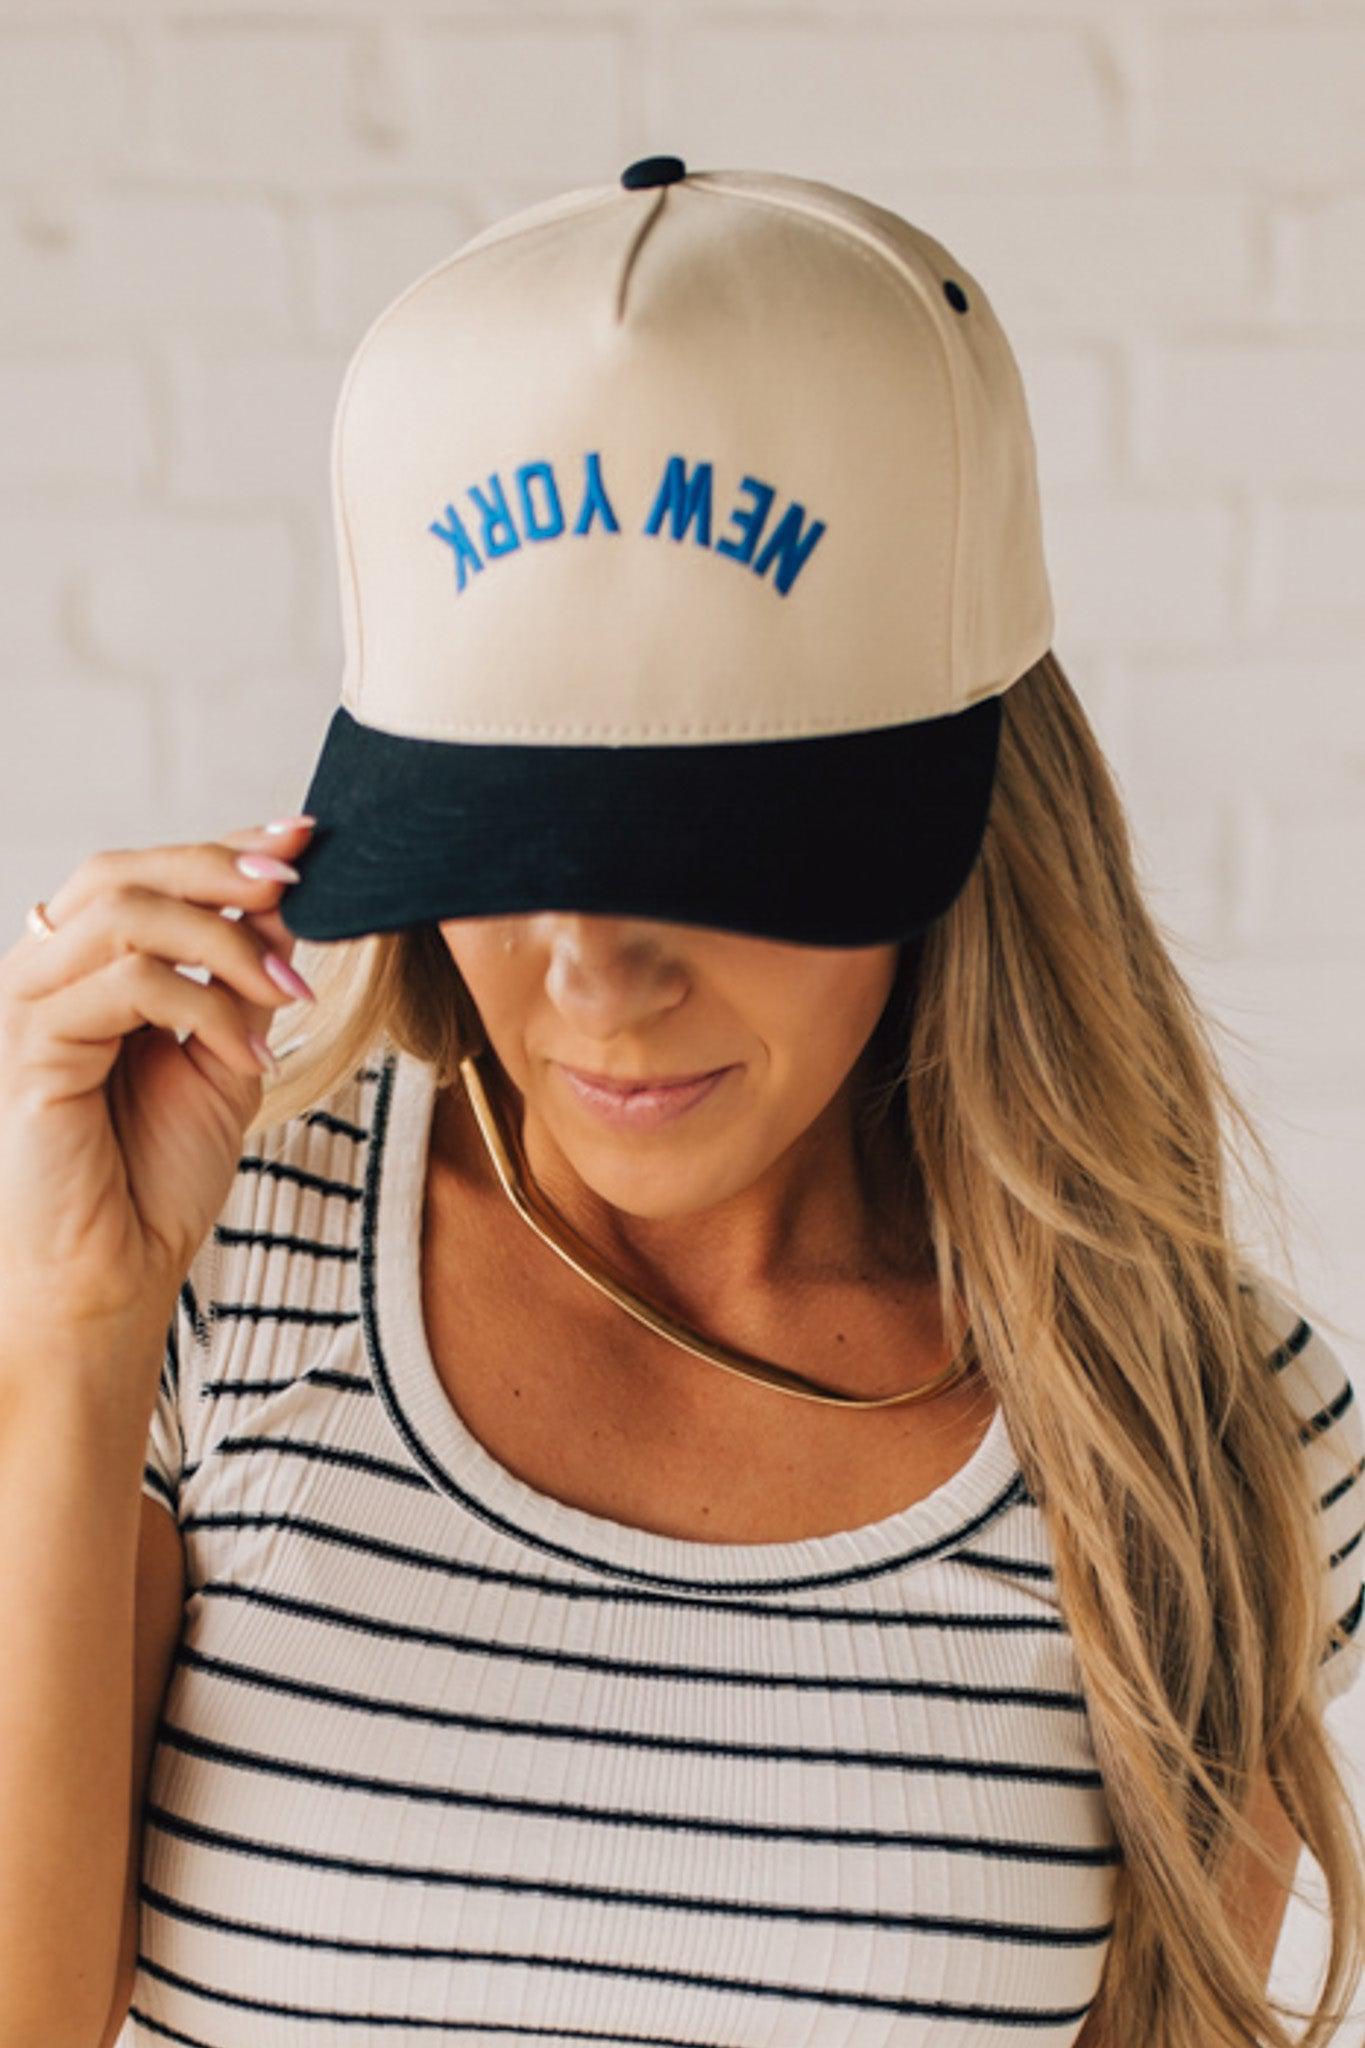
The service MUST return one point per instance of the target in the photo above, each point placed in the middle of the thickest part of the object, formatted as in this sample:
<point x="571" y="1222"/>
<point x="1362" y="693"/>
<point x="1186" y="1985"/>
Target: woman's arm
<point x="1257" y="1888"/>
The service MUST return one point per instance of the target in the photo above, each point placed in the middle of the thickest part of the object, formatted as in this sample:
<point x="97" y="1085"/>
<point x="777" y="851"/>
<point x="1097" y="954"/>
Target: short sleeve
<point x="1332" y="1435"/>
<point x="165" y="1452"/>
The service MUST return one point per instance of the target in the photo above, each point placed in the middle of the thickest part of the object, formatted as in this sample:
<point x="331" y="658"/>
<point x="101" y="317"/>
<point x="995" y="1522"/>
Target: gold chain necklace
<point x="530" y="1202"/>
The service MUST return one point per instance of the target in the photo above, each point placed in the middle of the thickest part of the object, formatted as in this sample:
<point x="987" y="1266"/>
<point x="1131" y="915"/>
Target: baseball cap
<point x="688" y="539"/>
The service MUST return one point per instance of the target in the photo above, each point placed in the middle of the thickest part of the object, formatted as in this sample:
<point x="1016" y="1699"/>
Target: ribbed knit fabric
<point x="445" y="1760"/>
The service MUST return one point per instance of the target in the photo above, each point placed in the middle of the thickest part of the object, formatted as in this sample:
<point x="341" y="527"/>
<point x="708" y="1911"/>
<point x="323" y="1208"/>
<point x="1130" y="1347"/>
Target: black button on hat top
<point x="653" y="170"/>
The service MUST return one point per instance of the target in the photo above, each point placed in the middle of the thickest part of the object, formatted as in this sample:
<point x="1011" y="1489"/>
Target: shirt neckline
<point x="459" y="1465"/>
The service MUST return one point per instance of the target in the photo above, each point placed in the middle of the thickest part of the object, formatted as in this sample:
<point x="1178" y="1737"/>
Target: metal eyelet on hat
<point x="653" y="170"/>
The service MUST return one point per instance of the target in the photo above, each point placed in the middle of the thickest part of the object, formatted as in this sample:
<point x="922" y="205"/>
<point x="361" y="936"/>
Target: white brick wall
<point x="201" y="211"/>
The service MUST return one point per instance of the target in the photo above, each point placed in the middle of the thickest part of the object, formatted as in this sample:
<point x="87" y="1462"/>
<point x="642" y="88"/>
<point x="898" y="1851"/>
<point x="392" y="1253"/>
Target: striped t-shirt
<point x="443" y="1759"/>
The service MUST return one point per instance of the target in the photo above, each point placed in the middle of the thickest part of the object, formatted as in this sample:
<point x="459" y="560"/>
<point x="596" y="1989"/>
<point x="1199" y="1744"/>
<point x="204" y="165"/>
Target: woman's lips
<point x="633" y="1108"/>
<point x="605" y="1081"/>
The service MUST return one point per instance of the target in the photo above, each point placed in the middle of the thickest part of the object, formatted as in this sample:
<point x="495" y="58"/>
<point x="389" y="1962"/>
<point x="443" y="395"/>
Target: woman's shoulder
<point x="289" y="1226"/>
<point x="1324" y="1400"/>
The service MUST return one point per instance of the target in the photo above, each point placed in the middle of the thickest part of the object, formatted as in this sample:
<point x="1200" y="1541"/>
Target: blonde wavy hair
<point x="1067" y="1132"/>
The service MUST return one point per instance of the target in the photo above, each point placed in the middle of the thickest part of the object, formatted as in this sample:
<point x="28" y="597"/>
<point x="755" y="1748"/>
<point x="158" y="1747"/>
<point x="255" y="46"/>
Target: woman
<point x="844" y="1554"/>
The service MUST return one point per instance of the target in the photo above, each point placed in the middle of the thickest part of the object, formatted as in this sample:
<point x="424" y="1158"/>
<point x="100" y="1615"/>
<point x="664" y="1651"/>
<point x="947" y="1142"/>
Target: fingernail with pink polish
<point x="285" y="977"/>
<point x="263" y="867"/>
<point x="265" y="1058"/>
